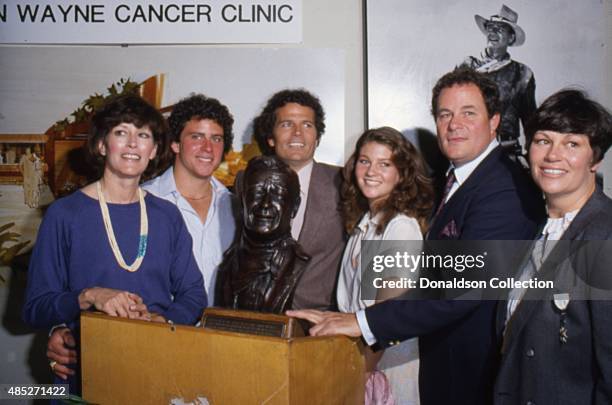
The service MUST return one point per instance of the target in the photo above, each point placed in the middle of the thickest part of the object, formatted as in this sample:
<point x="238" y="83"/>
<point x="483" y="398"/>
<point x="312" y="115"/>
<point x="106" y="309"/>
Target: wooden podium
<point x="130" y="362"/>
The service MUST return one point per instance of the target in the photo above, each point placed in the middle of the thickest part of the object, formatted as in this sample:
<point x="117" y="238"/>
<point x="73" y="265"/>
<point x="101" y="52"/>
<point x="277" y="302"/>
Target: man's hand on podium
<point x="61" y="352"/>
<point x="329" y="323"/>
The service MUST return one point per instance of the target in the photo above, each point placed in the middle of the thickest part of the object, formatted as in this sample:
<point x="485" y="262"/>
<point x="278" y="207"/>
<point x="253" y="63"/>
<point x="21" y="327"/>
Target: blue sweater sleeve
<point x="186" y="280"/>
<point x="48" y="300"/>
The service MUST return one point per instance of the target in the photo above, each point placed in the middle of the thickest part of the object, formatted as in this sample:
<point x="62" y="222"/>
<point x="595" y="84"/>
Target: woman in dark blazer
<point x="557" y="342"/>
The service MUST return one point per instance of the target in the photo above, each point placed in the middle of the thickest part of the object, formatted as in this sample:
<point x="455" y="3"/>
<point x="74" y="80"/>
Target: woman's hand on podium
<point x="154" y="317"/>
<point x="123" y="304"/>
<point x="329" y="323"/>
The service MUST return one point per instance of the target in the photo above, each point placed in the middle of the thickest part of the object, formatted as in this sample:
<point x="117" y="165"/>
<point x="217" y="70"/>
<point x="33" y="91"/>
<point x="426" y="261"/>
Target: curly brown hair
<point x="201" y="107"/>
<point x="263" y="125"/>
<point x="412" y="196"/>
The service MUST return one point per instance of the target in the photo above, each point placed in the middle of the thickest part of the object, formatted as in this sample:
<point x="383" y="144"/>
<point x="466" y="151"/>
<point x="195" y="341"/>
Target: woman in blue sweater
<point x="111" y="246"/>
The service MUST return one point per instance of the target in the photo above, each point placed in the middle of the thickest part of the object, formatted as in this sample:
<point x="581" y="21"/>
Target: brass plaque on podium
<point x="253" y="323"/>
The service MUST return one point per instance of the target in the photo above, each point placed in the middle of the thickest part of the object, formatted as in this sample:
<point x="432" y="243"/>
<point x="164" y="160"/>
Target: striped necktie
<point x="450" y="180"/>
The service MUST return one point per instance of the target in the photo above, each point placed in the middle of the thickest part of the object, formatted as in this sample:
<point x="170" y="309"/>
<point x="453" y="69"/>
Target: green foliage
<point x="95" y="101"/>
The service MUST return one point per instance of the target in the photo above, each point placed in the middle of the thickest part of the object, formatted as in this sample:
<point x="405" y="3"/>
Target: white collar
<point x="167" y="184"/>
<point x="304" y="175"/>
<point x="465" y="170"/>
<point x="367" y="221"/>
<point x="555" y="227"/>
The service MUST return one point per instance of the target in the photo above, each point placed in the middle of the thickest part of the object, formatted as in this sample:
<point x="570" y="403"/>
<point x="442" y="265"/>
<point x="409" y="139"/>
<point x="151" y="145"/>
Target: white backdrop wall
<point x="40" y="85"/>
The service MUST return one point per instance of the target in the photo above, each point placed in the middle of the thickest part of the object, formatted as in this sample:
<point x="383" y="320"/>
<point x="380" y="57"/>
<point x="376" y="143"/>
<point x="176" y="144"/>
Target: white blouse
<point x="348" y="294"/>
<point x="400" y="363"/>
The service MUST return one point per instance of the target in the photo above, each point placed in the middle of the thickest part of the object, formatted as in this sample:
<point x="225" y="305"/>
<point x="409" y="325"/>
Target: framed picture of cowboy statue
<point x="531" y="49"/>
<point x="515" y="80"/>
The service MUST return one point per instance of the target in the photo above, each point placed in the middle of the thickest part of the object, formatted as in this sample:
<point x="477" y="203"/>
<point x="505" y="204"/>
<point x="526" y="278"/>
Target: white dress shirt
<point x="298" y="221"/>
<point x="211" y="239"/>
<point x="463" y="172"/>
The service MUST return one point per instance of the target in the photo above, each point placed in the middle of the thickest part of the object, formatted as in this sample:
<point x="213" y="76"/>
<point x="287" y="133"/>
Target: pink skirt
<point x="378" y="390"/>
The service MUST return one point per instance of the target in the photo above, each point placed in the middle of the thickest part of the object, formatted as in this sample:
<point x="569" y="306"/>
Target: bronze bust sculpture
<point x="260" y="270"/>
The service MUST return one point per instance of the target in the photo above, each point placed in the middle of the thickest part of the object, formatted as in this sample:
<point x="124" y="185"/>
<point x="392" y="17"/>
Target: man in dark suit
<point x="290" y="126"/>
<point x="487" y="196"/>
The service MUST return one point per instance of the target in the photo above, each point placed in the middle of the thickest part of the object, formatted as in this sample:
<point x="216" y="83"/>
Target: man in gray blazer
<point x="290" y="126"/>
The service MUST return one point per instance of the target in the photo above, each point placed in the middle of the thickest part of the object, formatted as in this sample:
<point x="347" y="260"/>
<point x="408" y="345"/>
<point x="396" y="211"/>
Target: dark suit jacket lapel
<point x="459" y="197"/>
<point x="502" y="310"/>
<point x="559" y="253"/>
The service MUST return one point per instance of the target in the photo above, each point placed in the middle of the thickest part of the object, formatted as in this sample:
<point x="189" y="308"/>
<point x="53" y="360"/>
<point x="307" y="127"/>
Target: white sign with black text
<point x="150" y="22"/>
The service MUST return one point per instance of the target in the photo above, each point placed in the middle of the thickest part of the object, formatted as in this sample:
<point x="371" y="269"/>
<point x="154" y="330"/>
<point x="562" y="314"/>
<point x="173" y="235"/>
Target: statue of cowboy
<point x="515" y="80"/>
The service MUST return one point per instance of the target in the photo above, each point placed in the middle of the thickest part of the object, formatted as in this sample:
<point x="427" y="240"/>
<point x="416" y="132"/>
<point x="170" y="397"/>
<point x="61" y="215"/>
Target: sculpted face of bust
<point x="269" y="202"/>
<point x="259" y="271"/>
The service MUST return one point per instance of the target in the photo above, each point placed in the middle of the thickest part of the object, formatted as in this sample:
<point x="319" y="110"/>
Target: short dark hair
<point x="464" y="75"/>
<point x="263" y="125"/>
<point x="130" y="109"/>
<point x="571" y="111"/>
<point x="201" y="107"/>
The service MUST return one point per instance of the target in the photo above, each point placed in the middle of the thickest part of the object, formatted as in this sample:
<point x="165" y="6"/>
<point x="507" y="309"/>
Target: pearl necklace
<point x="144" y="230"/>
